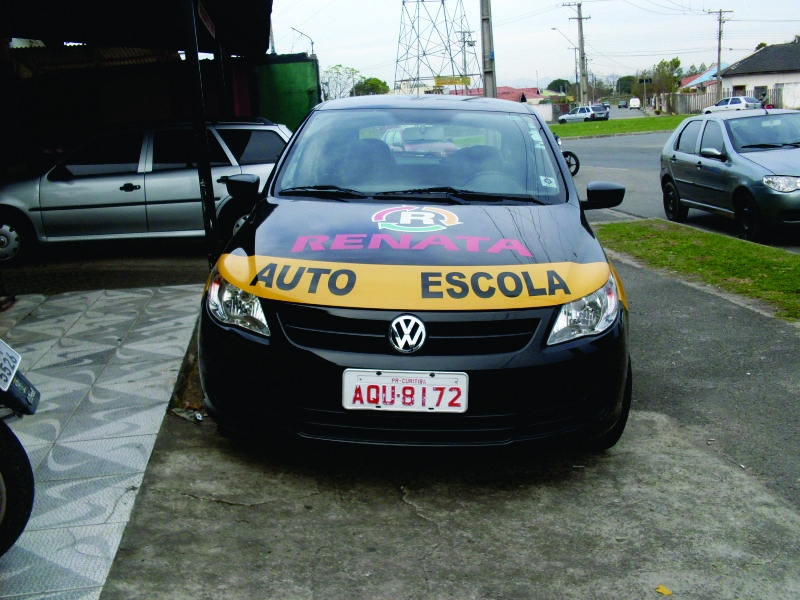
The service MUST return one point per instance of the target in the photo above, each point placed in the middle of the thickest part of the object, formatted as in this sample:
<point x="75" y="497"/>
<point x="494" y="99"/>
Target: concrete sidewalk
<point x="106" y="364"/>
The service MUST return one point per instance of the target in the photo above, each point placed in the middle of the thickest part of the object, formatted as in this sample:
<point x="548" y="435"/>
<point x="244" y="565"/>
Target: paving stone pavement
<point x="106" y="363"/>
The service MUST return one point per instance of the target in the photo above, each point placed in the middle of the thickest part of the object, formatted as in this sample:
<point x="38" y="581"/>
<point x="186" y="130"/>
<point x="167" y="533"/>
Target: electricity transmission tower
<point x="436" y="49"/>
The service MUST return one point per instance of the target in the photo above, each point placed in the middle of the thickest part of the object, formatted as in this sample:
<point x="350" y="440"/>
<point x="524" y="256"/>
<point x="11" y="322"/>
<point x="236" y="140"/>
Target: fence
<point x="687" y="104"/>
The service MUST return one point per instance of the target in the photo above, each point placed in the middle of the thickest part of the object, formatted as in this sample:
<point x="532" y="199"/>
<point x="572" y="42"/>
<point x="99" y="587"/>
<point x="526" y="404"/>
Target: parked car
<point x="734" y="103"/>
<point x="584" y="113"/>
<point x="386" y="298"/>
<point x="602" y="108"/>
<point x="744" y="165"/>
<point x="137" y="181"/>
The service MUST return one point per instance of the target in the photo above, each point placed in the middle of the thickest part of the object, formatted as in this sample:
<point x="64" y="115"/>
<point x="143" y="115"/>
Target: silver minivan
<point x="137" y="181"/>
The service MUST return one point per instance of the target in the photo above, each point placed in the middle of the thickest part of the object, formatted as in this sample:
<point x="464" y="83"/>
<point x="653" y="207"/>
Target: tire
<point x="748" y="221"/>
<point x="562" y="121"/>
<point x="612" y="436"/>
<point x="17" y="239"/>
<point x="572" y="162"/>
<point x="673" y="208"/>
<point x="16" y="488"/>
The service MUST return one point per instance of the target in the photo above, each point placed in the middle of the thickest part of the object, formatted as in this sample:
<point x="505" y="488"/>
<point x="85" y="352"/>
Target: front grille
<point x="366" y="331"/>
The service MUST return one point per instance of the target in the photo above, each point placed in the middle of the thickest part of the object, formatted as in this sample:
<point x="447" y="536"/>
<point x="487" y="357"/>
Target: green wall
<point x="288" y="88"/>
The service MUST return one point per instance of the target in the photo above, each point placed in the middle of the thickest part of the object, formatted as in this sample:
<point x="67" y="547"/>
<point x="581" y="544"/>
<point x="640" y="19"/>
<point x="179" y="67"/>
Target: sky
<point x="534" y="40"/>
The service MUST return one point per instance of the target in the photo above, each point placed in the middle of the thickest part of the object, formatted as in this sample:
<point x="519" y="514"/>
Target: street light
<point x="309" y="39"/>
<point x="574" y="47"/>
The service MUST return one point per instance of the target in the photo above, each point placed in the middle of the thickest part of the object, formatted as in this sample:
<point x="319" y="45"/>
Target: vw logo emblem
<point x="407" y="334"/>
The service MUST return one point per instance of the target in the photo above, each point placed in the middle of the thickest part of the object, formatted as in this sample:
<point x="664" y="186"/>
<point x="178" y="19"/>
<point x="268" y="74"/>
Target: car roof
<point x="433" y="101"/>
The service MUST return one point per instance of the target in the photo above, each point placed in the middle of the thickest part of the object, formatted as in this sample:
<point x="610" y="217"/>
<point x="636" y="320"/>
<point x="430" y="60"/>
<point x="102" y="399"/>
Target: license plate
<point x="404" y="391"/>
<point x="9" y="363"/>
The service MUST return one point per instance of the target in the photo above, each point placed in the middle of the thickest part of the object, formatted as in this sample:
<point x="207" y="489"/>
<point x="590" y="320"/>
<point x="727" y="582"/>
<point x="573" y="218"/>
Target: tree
<point x="666" y="76"/>
<point x="370" y="87"/>
<point x="559" y="85"/>
<point x="625" y="84"/>
<point x="339" y="81"/>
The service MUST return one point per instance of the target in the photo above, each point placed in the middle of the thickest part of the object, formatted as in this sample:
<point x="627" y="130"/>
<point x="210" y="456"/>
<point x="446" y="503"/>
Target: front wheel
<point x="16" y="488"/>
<point x="572" y="162"/>
<point x="612" y="436"/>
<point x="673" y="208"/>
<point x="17" y="239"/>
<point x="747" y="219"/>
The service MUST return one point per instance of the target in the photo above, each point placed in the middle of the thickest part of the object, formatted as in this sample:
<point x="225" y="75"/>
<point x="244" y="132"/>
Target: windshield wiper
<point x="762" y="145"/>
<point x="455" y="195"/>
<point x="333" y="192"/>
<point x="446" y="193"/>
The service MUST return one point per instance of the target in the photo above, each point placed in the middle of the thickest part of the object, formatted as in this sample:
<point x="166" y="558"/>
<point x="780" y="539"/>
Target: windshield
<point x="765" y="132"/>
<point x="484" y="156"/>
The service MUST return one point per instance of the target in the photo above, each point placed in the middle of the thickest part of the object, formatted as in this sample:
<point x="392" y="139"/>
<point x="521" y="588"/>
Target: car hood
<point x="413" y="256"/>
<point x="782" y="161"/>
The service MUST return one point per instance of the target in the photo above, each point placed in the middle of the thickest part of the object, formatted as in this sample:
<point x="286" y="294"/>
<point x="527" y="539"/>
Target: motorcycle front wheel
<point x="572" y="162"/>
<point x="16" y="488"/>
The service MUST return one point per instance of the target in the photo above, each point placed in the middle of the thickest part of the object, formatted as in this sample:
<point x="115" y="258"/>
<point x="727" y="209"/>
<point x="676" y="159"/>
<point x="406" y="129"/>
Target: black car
<point x="744" y="165"/>
<point x="393" y="297"/>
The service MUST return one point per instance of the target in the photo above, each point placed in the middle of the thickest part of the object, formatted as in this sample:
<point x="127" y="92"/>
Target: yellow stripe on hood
<point x="413" y="287"/>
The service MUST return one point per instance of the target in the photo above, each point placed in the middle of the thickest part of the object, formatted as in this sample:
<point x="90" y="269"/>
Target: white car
<point x="734" y="103"/>
<point x="585" y="113"/>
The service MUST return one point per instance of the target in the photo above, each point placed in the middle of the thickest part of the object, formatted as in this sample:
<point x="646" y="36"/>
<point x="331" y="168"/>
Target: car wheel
<point x="611" y="437"/>
<point x="673" y="208"/>
<point x="232" y="218"/>
<point x="17" y="239"/>
<point x="562" y="121"/>
<point x="572" y="162"/>
<point x="748" y="220"/>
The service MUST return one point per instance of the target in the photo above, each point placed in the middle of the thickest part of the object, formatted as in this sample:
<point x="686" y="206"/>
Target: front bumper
<point x="519" y="390"/>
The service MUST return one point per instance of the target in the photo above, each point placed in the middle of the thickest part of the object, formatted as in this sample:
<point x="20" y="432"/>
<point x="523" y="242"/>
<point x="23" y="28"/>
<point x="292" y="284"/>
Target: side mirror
<point x="60" y="173"/>
<point x="243" y="186"/>
<point x="712" y="153"/>
<point x="603" y="194"/>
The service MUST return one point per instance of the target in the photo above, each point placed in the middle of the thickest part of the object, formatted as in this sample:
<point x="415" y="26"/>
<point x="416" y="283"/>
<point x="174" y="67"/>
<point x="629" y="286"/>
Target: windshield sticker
<point x="548" y="181"/>
<point x="414" y="219"/>
<point x="413" y="287"/>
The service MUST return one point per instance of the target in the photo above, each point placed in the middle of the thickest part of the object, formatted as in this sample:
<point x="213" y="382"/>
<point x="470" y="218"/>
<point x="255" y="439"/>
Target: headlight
<point x="234" y="306"/>
<point x="782" y="183"/>
<point x="590" y="315"/>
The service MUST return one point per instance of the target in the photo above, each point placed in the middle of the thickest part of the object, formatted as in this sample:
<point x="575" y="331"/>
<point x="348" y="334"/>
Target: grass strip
<point x="769" y="275"/>
<point x="618" y="126"/>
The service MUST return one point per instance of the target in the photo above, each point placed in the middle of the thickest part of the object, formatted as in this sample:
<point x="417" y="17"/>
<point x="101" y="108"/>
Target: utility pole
<point x="583" y="62"/>
<point x="720" y="21"/>
<point x="487" y="41"/>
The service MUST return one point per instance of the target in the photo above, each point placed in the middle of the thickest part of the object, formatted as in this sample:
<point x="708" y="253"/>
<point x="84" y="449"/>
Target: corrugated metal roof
<point x="39" y="59"/>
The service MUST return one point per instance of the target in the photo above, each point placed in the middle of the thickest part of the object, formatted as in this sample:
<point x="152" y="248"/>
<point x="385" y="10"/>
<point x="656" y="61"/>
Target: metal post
<point x="200" y="135"/>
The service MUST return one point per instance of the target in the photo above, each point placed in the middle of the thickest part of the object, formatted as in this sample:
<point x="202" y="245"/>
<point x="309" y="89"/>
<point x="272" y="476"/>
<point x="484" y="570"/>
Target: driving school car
<point x="389" y="297"/>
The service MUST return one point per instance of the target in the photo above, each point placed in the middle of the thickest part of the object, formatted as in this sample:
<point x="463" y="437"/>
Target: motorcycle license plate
<point x="405" y="391"/>
<point x="9" y="363"/>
